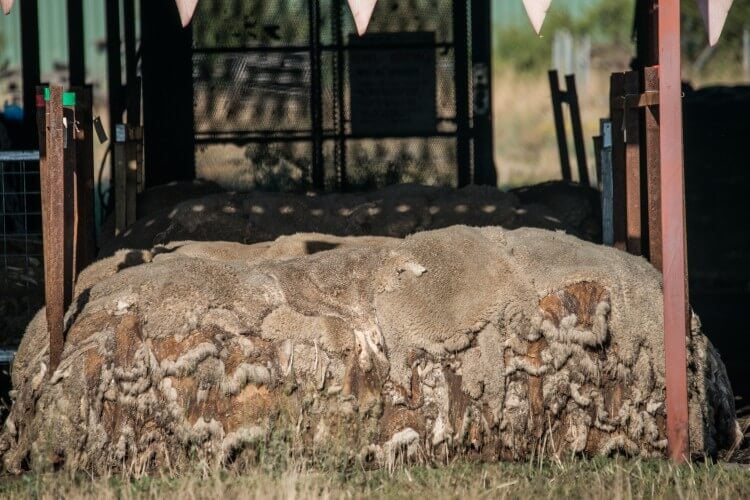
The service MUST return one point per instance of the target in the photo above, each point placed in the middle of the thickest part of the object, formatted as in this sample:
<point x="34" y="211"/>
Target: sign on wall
<point x="393" y="86"/>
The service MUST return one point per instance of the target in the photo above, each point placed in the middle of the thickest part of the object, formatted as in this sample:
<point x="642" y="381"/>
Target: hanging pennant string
<point x="6" y="5"/>
<point x="537" y="11"/>
<point x="714" y="14"/>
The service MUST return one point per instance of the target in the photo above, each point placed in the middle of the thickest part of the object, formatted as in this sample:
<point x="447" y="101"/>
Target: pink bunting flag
<point x="186" y="9"/>
<point x="537" y="11"/>
<point x="714" y="14"/>
<point x="362" y="12"/>
<point x="6" y="4"/>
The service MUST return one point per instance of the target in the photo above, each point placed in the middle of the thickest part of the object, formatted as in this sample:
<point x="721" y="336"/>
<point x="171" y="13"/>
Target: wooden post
<point x="53" y="191"/>
<point x="575" y="119"/>
<point x="84" y="150"/>
<point x="651" y="153"/>
<point x="562" y="141"/>
<point x="616" y="93"/>
<point x="632" y="164"/>
<point x="674" y="248"/>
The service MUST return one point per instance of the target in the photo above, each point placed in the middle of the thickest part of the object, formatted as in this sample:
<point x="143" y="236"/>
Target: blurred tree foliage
<point x="727" y="54"/>
<point x="610" y="24"/>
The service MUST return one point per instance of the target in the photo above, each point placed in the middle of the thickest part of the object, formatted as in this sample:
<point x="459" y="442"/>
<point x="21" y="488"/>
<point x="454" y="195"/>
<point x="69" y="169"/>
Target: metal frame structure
<point x="658" y="28"/>
<point x="472" y="67"/>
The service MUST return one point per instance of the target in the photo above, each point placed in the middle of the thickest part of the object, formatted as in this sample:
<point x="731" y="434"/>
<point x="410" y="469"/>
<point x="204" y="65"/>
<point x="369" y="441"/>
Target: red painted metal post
<point x="674" y="252"/>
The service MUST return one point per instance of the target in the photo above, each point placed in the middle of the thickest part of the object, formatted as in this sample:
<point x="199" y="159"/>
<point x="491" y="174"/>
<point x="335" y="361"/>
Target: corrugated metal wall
<point x="53" y="37"/>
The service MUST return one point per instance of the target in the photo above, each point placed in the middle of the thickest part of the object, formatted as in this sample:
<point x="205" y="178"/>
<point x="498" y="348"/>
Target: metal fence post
<point x="84" y="168"/>
<point x="607" y="179"/>
<point x="557" y="113"/>
<point x="54" y="198"/>
<point x="674" y="247"/>
<point x="632" y="164"/>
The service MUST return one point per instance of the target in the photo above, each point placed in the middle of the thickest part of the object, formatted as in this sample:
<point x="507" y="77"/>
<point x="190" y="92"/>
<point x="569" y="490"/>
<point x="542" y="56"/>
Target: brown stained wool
<point x="483" y="342"/>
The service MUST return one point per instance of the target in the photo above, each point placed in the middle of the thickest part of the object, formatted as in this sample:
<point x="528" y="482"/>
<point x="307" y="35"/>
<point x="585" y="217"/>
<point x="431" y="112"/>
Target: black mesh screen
<point x="258" y="73"/>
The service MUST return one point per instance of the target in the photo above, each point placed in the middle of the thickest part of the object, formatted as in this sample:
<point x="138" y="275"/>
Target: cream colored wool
<point x="478" y="341"/>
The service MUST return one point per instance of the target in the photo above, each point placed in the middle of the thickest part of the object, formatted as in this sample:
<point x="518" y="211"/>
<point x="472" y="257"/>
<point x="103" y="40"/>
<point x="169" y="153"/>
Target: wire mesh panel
<point x="21" y="263"/>
<point x="21" y="214"/>
<point x="270" y="72"/>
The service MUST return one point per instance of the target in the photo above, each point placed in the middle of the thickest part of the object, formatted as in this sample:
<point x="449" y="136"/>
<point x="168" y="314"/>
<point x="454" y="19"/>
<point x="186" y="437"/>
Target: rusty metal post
<point x="562" y="140"/>
<point x="674" y="251"/>
<point x="575" y="119"/>
<point x="632" y="138"/>
<point x="650" y="157"/>
<point x="52" y="180"/>
<point x="616" y="94"/>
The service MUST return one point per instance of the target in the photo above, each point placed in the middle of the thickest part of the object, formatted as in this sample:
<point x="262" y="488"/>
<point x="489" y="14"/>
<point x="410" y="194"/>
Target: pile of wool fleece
<point x="491" y="343"/>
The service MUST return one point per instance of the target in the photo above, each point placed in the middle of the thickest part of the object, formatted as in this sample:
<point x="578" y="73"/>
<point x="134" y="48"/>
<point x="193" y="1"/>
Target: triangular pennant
<point x="714" y="14"/>
<point x="537" y="11"/>
<point x="6" y="4"/>
<point x="362" y="12"/>
<point x="186" y="9"/>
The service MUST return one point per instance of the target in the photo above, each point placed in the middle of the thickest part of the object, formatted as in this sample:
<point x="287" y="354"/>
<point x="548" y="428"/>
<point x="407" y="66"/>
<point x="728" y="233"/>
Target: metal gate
<point x="275" y="93"/>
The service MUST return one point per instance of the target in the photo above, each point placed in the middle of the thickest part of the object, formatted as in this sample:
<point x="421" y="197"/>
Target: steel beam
<point x="461" y="76"/>
<point x="481" y="72"/>
<point x="30" y="71"/>
<point x="76" y="45"/>
<point x="54" y="198"/>
<point x="674" y="251"/>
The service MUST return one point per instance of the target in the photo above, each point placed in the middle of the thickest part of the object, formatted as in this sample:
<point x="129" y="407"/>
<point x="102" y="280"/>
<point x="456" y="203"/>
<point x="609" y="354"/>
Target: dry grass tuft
<point x="600" y="478"/>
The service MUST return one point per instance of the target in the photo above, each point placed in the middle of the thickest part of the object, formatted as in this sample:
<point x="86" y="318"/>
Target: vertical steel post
<point x="30" y="69"/>
<point x="114" y="64"/>
<point x="76" y="45"/>
<point x="84" y="148"/>
<point x="562" y="139"/>
<point x="120" y="168"/>
<point x="651" y="161"/>
<point x="52" y="180"/>
<point x="340" y="114"/>
<point x="316" y="104"/>
<point x="608" y="229"/>
<point x="481" y="72"/>
<point x="632" y="164"/>
<point x="674" y="251"/>
<point x="575" y="124"/>
<point x="461" y="77"/>
<point x="617" y="95"/>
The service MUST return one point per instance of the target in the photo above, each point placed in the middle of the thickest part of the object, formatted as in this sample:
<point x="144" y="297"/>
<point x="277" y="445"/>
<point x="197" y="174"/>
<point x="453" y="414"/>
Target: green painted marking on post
<point x="68" y="98"/>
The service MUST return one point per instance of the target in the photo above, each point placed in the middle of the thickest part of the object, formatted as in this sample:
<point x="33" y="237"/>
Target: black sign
<point x="392" y="79"/>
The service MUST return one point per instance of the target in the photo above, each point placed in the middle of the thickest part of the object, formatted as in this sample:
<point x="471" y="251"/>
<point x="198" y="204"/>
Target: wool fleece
<point x="486" y="343"/>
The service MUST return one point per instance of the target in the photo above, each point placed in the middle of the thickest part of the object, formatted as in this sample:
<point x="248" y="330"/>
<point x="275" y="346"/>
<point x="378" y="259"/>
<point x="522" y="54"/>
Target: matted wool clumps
<point x="484" y="342"/>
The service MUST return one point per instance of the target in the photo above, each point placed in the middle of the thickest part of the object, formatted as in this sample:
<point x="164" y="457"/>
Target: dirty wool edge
<point x="478" y="342"/>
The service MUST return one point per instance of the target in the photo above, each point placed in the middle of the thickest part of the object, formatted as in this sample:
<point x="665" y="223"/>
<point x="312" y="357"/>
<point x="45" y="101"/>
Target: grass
<point x="597" y="478"/>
